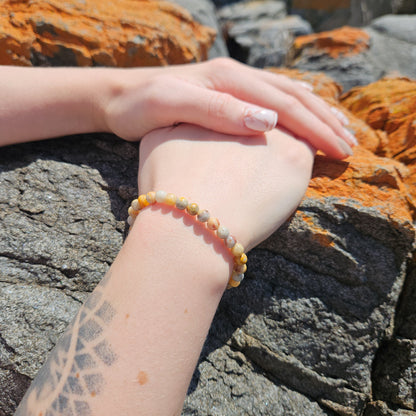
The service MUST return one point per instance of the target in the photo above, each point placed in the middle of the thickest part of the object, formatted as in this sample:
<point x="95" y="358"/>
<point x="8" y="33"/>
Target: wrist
<point x="183" y="246"/>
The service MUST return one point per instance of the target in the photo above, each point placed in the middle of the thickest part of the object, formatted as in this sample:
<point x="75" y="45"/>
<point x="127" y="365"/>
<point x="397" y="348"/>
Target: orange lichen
<point x="100" y="32"/>
<point x="390" y="106"/>
<point x="345" y="41"/>
<point x="142" y="378"/>
<point x="367" y="181"/>
<point x="320" y="235"/>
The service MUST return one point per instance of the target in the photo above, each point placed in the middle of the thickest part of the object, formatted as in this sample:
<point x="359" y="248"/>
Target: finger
<point x="263" y="88"/>
<point x="293" y="114"/>
<point x="211" y="109"/>
<point x="326" y="113"/>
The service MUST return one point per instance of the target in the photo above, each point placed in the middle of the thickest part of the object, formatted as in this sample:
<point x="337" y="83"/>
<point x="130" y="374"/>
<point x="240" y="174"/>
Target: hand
<point x="251" y="185"/>
<point x="225" y="96"/>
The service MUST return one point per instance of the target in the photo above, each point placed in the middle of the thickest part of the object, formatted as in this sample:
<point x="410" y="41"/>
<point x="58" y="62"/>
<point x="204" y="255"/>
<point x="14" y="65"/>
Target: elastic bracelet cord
<point x="204" y="217"/>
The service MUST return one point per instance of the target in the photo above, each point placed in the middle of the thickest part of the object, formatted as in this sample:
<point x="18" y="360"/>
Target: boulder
<point x="100" y="33"/>
<point x="354" y="57"/>
<point x="389" y="105"/>
<point x="203" y="11"/>
<point x="401" y="27"/>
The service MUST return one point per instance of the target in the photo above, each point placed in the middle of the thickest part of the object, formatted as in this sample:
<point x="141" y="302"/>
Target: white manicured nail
<point x="340" y="116"/>
<point x="306" y="85"/>
<point x="260" y="120"/>
<point x="350" y="137"/>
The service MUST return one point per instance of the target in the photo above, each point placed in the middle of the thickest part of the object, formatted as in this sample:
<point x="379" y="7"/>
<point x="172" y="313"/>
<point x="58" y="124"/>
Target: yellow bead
<point x="192" y="209"/>
<point x="151" y="197"/>
<point x="213" y="223"/>
<point x="170" y="199"/>
<point x="132" y="212"/>
<point x="242" y="259"/>
<point x="135" y="204"/>
<point x="233" y="283"/>
<point x="143" y="201"/>
<point x="237" y="250"/>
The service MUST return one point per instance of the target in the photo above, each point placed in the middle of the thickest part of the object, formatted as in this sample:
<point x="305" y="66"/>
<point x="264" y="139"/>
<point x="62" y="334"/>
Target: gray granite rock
<point x="259" y="33"/>
<point x="401" y="27"/>
<point x="62" y="206"/>
<point x="395" y="373"/>
<point x="310" y="316"/>
<point x="203" y="11"/>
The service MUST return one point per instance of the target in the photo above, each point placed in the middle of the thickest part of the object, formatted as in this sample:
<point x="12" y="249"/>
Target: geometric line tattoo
<point x="71" y="372"/>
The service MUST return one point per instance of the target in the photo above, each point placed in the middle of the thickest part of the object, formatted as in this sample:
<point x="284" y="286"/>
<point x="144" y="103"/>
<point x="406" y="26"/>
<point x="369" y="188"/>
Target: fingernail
<point x="344" y="146"/>
<point x="340" y="116"/>
<point x="351" y="138"/>
<point x="260" y="120"/>
<point x="306" y="85"/>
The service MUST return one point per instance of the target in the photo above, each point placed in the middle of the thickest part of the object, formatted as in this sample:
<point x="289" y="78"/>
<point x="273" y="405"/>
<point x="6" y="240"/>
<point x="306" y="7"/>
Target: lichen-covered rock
<point x="100" y="33"/>
<point x="389" y="105"/>
<point x="355" y="57"/>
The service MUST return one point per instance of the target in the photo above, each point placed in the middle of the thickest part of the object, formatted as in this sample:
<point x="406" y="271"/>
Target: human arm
<point x="222" y="95"/>
<point x="161" y="295"/>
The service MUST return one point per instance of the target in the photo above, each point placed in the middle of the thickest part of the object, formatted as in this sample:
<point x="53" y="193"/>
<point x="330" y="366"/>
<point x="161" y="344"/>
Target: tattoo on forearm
<point x="71" y="375"/>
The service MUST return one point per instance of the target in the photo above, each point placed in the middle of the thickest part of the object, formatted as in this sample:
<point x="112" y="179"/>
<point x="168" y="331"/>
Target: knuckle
<point x="218" y="105"/>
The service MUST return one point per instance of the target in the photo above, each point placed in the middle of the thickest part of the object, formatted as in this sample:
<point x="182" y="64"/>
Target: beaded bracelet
<point x="204" y="217"/>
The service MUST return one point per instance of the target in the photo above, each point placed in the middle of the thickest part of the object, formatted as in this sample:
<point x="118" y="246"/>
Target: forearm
<point x="41" y="103"/>
<point x="154" y="311"/>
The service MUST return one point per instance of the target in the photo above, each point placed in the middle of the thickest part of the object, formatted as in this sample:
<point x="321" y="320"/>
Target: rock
<point x="331" y="14"/>
<point x="390" y="105"/>
<point x="323" y="15"/>
<point x="252" y="10"/>
<point x="143" y="33"/>
<point x="379" y="408"/>
<point x="257" y="32"/>
<point x="340" y="53"/>
<point x="395" y="373"/>
<point x="401" y="27"/>
<point x="61" y="227"/>
<point x="203" y="11"/>
<point x="354" y="57"/>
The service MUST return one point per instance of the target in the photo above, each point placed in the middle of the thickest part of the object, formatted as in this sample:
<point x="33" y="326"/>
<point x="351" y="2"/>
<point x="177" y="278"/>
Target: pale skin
<point x="134" y="344"/>
<point x="39" y="103"/>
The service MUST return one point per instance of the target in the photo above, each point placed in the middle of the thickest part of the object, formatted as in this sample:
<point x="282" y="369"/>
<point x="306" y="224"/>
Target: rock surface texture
<point x="100" y="33"/>
<point x="324" y="323"/>
<point x="355" y="57"/>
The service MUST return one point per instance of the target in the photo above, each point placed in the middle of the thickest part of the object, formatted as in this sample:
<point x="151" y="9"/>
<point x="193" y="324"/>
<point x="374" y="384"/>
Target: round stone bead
<point x="143" y="201"/>
<point x="130" y="221"/>
<point x="237" y="250"/>
<point x="203" y="216"/>
<point x="243" y="259"/>
<point x="192" y="209"/>
<point x="132" y="212"/>
<point x="151" y="197"/>
<point x="240" y="268"/>
<point x="181" y="203"/>
<point x="233" y="283"/>
<point x="222" y="232"/>
<point x="135" y="204"/>
<point x="238" y="277"/>
<point x="213" y="223"/>
<point x="160" y="196"/>
<point x="230" y="241"/>
<point x="170" y="199"/>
